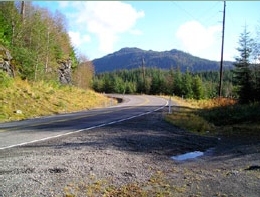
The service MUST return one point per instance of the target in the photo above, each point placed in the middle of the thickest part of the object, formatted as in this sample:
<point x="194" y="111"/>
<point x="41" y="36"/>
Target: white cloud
<point x="106" y="20"/>
<point x="197" y="39"/>
<point x="136" y="32"/>
<point x="77" y="39"/>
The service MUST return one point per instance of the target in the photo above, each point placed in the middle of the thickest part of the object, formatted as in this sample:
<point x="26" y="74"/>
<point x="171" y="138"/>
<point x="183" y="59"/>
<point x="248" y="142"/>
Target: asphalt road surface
<point x="19" y="133"/>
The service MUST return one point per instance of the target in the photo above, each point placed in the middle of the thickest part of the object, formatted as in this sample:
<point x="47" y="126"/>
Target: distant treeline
<point x="168" y="82"/>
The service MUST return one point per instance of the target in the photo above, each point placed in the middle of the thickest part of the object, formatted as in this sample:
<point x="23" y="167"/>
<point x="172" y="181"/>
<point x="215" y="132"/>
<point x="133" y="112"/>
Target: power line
<point x="209" y="9"/>
<point x="185" y="11"/>
<point x="202" y="18"/>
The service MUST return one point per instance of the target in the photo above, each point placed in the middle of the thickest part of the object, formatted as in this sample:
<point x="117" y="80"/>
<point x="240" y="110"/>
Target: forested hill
<point x="129" y="58"/>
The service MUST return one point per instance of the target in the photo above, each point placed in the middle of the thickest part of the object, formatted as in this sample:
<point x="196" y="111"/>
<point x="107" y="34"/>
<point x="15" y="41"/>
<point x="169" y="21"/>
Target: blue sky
<point x="98" y="28"/>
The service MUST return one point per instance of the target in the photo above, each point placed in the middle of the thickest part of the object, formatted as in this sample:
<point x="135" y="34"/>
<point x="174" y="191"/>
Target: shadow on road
<point x="148" y="134"/>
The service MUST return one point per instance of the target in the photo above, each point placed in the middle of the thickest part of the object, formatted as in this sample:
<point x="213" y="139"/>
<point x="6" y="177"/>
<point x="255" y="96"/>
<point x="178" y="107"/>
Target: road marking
<point x="85" y="129"/>
<point x="62" y="120"/>
<point x="78" y="117"/>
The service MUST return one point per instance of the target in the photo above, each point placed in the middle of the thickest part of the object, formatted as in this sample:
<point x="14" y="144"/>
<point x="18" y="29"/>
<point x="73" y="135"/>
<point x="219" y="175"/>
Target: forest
<point x="38" y="42"/>
<point x="157" y="81"/>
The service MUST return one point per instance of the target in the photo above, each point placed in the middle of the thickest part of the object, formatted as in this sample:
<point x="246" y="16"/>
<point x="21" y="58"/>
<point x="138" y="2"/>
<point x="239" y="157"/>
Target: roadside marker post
<point x="170" y="105"/>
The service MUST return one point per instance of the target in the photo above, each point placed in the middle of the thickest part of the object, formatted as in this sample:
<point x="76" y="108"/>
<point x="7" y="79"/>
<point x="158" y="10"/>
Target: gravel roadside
<point x="136" y="151"/>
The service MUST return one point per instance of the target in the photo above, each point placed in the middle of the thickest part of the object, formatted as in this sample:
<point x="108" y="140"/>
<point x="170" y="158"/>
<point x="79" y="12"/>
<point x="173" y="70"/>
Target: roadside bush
<point x="233" y="114"/>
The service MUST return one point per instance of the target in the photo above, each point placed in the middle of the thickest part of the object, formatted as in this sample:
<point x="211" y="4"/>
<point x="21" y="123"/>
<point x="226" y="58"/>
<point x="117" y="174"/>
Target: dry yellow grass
<point x="40" y="98"/>
<point x="203" y="103"/>
<point x="219" y="115"/>
<point x="185" y="116"/>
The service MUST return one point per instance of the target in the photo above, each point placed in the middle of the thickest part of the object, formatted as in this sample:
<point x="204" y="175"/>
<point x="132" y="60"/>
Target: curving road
<point x="33" y="130"/>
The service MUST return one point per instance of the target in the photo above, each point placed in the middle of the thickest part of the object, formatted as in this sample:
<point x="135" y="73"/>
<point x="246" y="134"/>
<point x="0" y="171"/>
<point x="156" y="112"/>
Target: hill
<point x="129" y="58"/>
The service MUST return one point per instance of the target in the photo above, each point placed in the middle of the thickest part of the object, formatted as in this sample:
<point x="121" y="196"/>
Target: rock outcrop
<point x="5" y="61"/>
<point x="65" y="71"/>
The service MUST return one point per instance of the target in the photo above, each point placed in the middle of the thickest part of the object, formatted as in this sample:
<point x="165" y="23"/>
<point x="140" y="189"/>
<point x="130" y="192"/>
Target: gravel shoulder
<point x="135" y="151"/>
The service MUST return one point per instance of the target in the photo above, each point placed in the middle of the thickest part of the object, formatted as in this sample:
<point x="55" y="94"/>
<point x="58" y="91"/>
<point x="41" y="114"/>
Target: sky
<point x="98" y="28"/>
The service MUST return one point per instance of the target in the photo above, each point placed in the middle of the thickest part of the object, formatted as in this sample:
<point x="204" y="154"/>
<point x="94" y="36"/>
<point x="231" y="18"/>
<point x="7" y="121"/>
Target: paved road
<point x="28" y="131"/>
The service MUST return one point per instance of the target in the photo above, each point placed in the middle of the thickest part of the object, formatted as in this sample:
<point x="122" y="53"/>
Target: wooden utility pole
<point x="22" y="9"/>
<point x="222" y="49"/>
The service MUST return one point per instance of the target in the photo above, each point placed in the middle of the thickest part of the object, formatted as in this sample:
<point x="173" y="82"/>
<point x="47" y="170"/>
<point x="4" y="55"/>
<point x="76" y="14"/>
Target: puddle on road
<point x="190" y="155"/>
<point x="193" y="155"/>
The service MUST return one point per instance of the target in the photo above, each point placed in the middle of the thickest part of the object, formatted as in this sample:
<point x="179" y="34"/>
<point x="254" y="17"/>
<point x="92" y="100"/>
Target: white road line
<point x="86" y="129"/>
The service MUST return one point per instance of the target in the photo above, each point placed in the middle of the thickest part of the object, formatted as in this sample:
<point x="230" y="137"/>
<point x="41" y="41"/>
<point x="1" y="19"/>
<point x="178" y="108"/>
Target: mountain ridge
<point x="133" y="57"/>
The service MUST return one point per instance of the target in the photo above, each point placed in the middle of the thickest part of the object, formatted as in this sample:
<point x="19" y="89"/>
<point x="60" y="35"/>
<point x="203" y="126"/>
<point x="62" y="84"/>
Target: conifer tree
<point x="256" y="63"/>
<point x="242" y="72"/>
<point x="177" y="84"/>
<point x="187" y="85"/>
<point x="197" y="88"/>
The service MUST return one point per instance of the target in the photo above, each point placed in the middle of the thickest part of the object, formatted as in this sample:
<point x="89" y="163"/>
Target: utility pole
<point x="22" y="12"/>
<point x="222" y="49"/>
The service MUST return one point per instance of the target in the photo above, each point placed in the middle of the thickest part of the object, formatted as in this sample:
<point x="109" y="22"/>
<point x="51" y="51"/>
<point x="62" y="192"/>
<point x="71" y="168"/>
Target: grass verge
<point x="156" y="186"/>
<point x="221" y="115"/>
<point x="23" y="100"/>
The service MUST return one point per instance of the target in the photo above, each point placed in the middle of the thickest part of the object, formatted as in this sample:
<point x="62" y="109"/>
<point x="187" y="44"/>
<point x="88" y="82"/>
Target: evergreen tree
<point x="169" y="80"/>
<point x="256" y="63"/>
<point x="187" y="85"/>
<point x="242" y="72"/>
<point x="177" y="83"/>
<point x="197" y="88"/>
<point x="130" y="88"/>
<point x="119" y="85"/>
<point x="158" y="82"/>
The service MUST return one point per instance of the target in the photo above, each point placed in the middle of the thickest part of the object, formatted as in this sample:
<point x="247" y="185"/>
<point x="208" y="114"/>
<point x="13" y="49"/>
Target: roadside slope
<point x="22" y="100"/>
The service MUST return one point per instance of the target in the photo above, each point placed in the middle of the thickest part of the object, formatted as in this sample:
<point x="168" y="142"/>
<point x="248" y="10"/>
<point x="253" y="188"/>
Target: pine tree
<point x="177" y="83"/>
<point x="197" y="88"/>
<point x="242" y="72"/>
<point x="187" y="85"/>
<point x="256" y="63"/>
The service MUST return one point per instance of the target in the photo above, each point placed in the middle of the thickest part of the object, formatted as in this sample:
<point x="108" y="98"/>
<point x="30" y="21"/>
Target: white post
<point x="170" y="105"/>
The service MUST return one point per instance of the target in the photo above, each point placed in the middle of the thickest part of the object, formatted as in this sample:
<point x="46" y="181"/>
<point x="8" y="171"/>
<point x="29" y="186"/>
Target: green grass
<point x="233" y="114"/>
<point x="222" y="116"/>
<point x="42" y="98"/>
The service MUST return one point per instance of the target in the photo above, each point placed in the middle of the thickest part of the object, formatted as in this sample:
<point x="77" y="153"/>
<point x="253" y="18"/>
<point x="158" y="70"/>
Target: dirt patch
<point x="134" y="154"/>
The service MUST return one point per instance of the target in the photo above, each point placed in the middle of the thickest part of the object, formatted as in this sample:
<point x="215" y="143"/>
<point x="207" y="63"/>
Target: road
<point x="128" y="155"/>
<point x="19" y="133"/>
